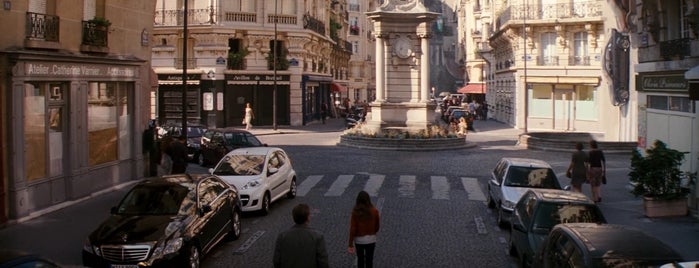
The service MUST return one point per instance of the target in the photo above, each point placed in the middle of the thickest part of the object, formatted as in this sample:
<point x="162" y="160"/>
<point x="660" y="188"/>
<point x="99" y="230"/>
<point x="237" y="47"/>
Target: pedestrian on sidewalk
<point x="598" y="170"/>
<point x="164" y="159"/>
<point x="364" y="224"/>
<point x="178" y="153"/>
<point x="323" y="112"/>
<point x="577" y="170"/>
<point x="300" y="246"/>
<point x="249" y="115"/>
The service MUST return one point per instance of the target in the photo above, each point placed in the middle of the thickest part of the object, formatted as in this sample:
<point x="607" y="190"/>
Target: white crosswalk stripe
<point x="374" y="184"/>
<point x="406" y="186"/>
<point x="440" y="186"/>
<point x="338" y="187"/>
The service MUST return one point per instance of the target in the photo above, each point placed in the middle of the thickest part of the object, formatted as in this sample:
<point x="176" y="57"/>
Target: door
<point x="563" y="109"/>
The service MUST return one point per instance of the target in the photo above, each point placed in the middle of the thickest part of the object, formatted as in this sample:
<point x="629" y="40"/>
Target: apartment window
<point x="243" y="5"/>
<point x="283" y="6"/>
<point x="44" y="129"/>
<point x="548" y="49"/>
<point x="580" y="49"/>
<point x="109" y="121"/>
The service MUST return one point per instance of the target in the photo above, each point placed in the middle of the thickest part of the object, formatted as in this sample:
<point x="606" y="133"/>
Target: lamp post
<point x="274" y="64"/>
<point x="526" y="86"/>
<point x="184" y="73"/>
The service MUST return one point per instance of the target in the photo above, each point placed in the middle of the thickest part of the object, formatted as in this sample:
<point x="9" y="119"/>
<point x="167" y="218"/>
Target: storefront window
<point x="108" y="121"/>
<point x="586" y="106"/>
<point x="541" y="101"/>
<point x="670" y="103"/>
<point x="44" y="126"/>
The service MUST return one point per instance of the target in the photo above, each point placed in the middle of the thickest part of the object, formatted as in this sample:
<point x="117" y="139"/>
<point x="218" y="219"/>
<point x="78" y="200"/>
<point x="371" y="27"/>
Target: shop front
<point x="72" y="127"/>
<point x="170" y="99"/>
<point x="258" y="90"/>
<point x="315" y="90"/>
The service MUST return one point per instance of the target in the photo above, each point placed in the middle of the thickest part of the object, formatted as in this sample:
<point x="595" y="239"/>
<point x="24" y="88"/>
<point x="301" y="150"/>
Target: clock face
<point x="403" y="48"/>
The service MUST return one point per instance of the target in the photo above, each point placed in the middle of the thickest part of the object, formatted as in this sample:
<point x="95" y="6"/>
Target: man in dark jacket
<point x="178" y="153"/>
<point x="300" y="246"/>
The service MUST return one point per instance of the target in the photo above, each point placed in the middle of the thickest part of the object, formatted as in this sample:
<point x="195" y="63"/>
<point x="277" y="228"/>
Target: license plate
<point x="123" y="266"/>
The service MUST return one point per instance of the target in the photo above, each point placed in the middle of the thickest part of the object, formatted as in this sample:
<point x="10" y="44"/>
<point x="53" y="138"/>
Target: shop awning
<point x="472" y="89"/>
<point x="336" y="87"/>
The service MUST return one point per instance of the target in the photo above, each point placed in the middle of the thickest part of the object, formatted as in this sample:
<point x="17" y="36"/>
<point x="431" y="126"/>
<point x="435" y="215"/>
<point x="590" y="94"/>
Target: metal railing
<point x="675" y="49"/>
<point x="42" y="26"/>
<point x="579" y="60"/>
<point x="191" y="63"/>
<point x="313" y="24"/>
<point x="552" y="11"/>
<point x="94" y="35"/>
<point x="547" y="60"/>
<point x="282" y="19"/>
<point x="176" y="17"/>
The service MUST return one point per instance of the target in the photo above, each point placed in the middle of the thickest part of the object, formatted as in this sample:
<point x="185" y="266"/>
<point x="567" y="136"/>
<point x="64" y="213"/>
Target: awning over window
<point x="336" y="87"/>
<point x="472" y="89"/>
<point x="692" y="74"/>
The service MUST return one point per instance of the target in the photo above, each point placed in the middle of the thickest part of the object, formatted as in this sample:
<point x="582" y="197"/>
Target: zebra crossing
<point x="440" y="187"/>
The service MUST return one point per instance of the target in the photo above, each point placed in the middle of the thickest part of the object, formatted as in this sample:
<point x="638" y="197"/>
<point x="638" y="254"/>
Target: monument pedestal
<point x="409" y="116"/>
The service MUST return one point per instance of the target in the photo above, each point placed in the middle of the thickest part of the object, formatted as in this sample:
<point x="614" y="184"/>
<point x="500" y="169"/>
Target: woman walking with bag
<point x="577" y="170"/>
<point x="598" y="169"/>
<point x="364" y="224"/>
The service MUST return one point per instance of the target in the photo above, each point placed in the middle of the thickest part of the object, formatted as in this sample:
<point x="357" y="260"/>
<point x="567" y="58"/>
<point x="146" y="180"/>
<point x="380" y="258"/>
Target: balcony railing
<point x="42" y="27"/>
<point x="579" y="60"/>
<point x="675" y="49"/>
<point x="94" y="35"/>
<point x="191" y="63"/>
<point x="240" y="17"/>
<point x="313" y="24"/>
<point x="547" y="60"/>
<point x="282" y="19"/>
<point x="354" y="7"/>
<point x="176" y="17"/>
<point x="354" y="30"/>
<point x="552" y="11"/>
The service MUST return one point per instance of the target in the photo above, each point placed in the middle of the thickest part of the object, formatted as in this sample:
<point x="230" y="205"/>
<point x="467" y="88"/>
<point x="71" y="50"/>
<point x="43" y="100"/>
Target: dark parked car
<point x="602" y="245"/>
<point x="217" y="142"/>
<point x="21" y="259"/>
<point x="511" y="178"/>
<point x="538" y="211"/>
<point x="194" y="134"/>
<point x="169" y="221"/>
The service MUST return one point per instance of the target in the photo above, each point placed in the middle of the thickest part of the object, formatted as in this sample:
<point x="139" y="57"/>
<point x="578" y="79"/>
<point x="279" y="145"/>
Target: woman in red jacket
<point x="364" y="225"/>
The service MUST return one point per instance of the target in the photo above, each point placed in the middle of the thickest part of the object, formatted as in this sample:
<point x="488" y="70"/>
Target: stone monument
<point x="402" y="31"/>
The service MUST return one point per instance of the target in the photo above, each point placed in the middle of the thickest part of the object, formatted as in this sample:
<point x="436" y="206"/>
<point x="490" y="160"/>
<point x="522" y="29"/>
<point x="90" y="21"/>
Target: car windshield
<point x="162" y="199"/>
<point x="550" y="214"/>
<point x="241" y="140"/>
<point x="532" y="177"/>
<point x="243" y="165"/>
<point x="195" y="131"/>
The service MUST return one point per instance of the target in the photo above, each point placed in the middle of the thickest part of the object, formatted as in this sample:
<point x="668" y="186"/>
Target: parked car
<point x="217" y="142"/>
<point x="511" y="178"/>
<point x="262" y="174"/>
<point x="602" y="245"/>
<point x="538" y="211"/>
<point x="169" y="221"/>
<point x="21" y="259"/>
<point x="194" y="134"/>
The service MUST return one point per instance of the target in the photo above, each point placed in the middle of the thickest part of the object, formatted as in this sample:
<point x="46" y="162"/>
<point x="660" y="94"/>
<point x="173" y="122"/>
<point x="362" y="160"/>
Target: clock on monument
<point x="403" y="48"/>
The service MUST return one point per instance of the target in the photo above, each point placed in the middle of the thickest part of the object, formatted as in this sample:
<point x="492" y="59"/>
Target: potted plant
<point x="236" y="59"/>
<point x="657" y="178"/>
<point x="100" y="22"/>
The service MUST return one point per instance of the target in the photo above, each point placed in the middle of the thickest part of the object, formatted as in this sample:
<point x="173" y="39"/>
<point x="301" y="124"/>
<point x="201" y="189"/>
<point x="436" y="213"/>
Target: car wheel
<point x="292" y="189"/>
<point x="491" y="202"/>
<point x="193" y="257"/>
<point x="234" y="233"/>
<point x="265" y="204"/>
<point x="200" y="160"/>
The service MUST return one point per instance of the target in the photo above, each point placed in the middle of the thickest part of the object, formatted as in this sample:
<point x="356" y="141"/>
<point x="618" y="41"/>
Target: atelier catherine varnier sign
<point x="75" y="70"/>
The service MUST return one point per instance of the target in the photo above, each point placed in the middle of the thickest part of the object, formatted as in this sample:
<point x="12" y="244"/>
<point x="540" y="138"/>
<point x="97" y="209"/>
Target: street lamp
<point x="184" y="73"/>
<point x="274" y="63"/>
<point x="526" y="86"/>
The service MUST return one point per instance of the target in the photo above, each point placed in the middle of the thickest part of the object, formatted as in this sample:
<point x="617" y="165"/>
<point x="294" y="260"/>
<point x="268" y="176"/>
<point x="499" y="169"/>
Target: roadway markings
<point x="406" y="186"/>
<point x="473" y="189"/>
<point x="338" y="187"/>
<point x="308" y="184"/>
<point x="440" y="187"/>
<point x="480" y="225"/>
<point x="248" y="243"/>
<point x="373" y="185"/>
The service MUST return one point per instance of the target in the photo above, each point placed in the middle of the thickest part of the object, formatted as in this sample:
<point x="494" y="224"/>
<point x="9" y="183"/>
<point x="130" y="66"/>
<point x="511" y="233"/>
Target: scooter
<point x="354" y="119"/>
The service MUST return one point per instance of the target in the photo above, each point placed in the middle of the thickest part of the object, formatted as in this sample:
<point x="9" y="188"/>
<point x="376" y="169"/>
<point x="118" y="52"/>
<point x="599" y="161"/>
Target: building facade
<point x="75" y="82"/>
<point x="244" y="51"/>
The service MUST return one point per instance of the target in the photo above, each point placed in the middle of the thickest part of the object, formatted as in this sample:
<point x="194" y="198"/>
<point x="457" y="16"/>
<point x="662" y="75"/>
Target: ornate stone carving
<point x="403" y="5"/>
<point x="591" y="34"/>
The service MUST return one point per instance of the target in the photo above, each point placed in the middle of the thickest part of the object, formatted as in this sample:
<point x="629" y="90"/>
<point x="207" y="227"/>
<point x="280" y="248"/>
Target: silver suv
<point x="511" y="178"/>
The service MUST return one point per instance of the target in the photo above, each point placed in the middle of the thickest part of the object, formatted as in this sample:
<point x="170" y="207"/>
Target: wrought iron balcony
<point x="282" y="19"/>
<point x="675" y="49"/>
<point x="191" y="63"/>
<point x="553" y="11"/>
<point x="42" y="27"/>
<point x="579" y="61"/>
<point x="547" y="60"/>
<point x="176" y="17"/>
<point x="313" y="24"/>
<point x="95" y="35"/>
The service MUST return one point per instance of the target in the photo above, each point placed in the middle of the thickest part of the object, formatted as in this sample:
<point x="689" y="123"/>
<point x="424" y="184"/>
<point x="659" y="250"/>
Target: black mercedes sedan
<point x="170" y="221"/>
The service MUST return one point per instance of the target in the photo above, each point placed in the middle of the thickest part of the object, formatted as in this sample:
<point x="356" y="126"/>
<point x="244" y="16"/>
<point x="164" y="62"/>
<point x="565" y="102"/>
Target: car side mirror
<point x="211" y="171"/>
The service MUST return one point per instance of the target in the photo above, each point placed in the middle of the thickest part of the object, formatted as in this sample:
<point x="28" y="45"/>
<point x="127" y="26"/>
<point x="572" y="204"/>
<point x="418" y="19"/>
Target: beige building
<point x="230" y="60"/>
<point x="75" y="82"/>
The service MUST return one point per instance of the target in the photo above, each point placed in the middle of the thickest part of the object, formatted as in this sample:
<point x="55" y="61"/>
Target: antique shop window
<point x="44" y="129"/>
<point x="109" y="121"/>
